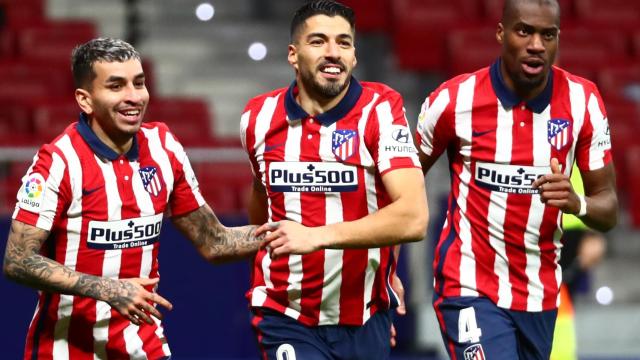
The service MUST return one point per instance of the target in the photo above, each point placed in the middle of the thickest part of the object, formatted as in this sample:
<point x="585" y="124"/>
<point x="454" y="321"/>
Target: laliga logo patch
<point x="474" y="352"/>
<point x="151" y="180"/>
<point x="344" y="143"/>
<point x="558" y="133"/>
<point x="32" y="193"/>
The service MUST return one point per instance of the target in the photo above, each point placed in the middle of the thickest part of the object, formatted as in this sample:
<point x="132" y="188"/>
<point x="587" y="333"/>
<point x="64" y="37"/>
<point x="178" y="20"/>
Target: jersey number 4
<point x="468" y="330"/>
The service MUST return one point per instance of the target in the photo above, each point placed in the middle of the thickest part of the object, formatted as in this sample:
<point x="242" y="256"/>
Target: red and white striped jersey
<point x="104" y="212"/>
<point x="320" y="170"/>
<point x="499" y="240"/>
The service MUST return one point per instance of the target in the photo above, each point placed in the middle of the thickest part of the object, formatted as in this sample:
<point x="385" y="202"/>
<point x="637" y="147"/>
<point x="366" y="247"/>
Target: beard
<point x="522" y="81"/>
<point x="329" y="90"/>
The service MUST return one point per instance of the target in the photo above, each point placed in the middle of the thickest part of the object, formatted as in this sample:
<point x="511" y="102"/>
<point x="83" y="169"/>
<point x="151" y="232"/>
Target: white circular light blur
<point x="257" y="51"/>
<point x="205" y="12"/>
<point x="604" y="295"/>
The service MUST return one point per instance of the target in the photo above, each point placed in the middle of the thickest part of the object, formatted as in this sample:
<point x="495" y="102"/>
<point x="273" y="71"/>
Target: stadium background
<point x="204" y="61"/>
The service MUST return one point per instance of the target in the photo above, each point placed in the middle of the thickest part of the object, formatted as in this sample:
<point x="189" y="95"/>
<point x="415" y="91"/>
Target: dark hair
<point x="100" y="49"/>
<point x="321" y="7"/>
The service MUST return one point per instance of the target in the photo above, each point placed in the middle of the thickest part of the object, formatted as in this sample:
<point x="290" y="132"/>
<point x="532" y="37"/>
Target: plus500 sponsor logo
<point x="312" y="177"/>
<point x="512" y="179"/>
<point x="124" y="234"/>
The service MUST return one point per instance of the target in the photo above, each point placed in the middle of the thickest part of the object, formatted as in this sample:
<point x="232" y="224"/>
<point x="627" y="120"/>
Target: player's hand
<point x="288" y="237"/>
<point x="133" y="301"/>
<point x="398" y="288"/>
<point x="555" y="190"/>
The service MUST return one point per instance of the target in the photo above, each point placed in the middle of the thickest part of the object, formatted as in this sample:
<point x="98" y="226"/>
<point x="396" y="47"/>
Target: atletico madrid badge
<point x="151" y="180"/>
<point x="558" y="133"/>
<point x="474" y="352"/>
<point x="344" y="143"/>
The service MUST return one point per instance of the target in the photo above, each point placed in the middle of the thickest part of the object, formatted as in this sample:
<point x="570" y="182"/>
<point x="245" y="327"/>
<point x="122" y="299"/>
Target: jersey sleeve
<point x="392" y="143"/>
<point x="186" y="196"/>
<point x="593" y="148"/>
<point x="45" y="190"/>
<point x="435" y="128"/>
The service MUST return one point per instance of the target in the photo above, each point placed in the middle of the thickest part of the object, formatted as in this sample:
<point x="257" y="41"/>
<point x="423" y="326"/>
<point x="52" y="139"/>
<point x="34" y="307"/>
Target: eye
<point x="550" y="35"/>
<point x="345" y="44"/>
<point x="115" y="87"/>
<point x="139" y="84"/>
<point x="522" y="32"/>
<point x="316" y="42"/>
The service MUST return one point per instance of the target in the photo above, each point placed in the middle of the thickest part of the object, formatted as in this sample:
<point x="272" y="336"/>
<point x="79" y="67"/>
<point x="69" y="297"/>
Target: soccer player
<point x="338" y="178"/>
<point x="512" y="132"/>
<point x="87" y="223"/>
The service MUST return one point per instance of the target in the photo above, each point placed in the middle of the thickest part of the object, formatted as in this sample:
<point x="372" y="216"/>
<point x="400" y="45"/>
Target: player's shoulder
<point x="455" y="81"/>
<point x="159" y="126"/>
<point x="560" y="74"/>
<point x="257" y="101"/>
<point x="384" y="91"/>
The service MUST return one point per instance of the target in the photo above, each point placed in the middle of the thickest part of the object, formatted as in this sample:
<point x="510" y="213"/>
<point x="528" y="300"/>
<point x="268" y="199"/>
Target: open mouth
<point x="331" y="70"/>
<point x="131" y="115"/>
<point x="533" y="66"/>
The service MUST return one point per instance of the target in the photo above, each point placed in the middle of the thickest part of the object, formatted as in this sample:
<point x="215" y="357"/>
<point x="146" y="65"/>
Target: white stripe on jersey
<point x="112" y="258"/>
<point x="596" y="155"/>
<point x="372" y="205"/>
<point x="541" y="156"/>
<point x="132" y="343"/>
<point x="330" y="303"/>
<point x="463" y="130"/>
<point x="244" y="125"/>
<point x="161" y="157"/>
<point x="263" y="121"/>
<point x="431" y="112"/>
<point x="174" y="146"/>
<point x="143" y="199"/>
<point x="497" y="208"/>
<point x="366" y="160"/>
<point x="50" y="202"/>
<point x="74" y="225"/>
<point x="293" y="212"/>
<point x="385" y="121"/>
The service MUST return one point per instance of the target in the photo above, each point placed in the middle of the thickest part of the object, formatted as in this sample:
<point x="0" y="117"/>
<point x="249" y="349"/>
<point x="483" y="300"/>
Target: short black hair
<point x="321" y="7"/>
<point x="100" y="49"/>
<point x="510" y="5"/>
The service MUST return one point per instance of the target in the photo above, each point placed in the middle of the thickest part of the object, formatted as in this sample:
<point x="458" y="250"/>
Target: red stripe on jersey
<point x="484" y="124"/>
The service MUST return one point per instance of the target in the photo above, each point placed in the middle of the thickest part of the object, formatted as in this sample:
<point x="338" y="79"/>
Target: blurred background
<point x="204" y="60"/>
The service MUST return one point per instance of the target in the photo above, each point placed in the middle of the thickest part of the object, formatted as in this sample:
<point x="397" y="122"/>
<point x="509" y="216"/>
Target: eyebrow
<point x="323" y="35"/>
<point x="115" y="78"/>
<point x="529" y="26"/>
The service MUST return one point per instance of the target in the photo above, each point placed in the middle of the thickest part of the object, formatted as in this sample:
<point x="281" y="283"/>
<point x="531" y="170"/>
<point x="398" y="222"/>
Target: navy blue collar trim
<point x="296" y="112"/>
<point x="510" y="99"/>
<point x="99" y="147"/>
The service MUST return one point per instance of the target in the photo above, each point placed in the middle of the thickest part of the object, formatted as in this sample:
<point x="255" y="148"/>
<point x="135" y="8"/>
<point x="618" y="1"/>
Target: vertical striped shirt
<point x="499" y="240"/>
<point x="320" y="170"/>
<point x="104" y="212"/>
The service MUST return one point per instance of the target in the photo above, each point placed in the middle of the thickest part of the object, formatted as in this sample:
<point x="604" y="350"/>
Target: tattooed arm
<point x="23" y="264"/>
<point x="214" y="241"/>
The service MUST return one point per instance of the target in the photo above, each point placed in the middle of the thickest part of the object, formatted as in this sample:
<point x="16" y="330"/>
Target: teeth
<point x="132" y="113"/>
<point x="332" y="70"/>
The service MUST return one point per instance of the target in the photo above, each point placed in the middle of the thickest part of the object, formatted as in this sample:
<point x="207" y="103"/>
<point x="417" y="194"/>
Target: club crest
<point x="151" y="180"/>
<point x="344" y="143"/>
<point x="558" y="133"/>
<point x="474" y="352"/>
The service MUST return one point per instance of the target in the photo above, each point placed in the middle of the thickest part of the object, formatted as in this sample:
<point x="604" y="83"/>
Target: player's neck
<point x="315" y="104"/>
<point x="119" y="144"/>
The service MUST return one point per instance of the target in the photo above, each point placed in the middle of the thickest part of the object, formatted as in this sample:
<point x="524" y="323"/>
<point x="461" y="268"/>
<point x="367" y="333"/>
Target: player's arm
<point x="23" y="264"/>
<point x="600" y="195"/>
<point x="426" y="161"/>
<point x="214" y="241"/>
<point x="403" y="220"/>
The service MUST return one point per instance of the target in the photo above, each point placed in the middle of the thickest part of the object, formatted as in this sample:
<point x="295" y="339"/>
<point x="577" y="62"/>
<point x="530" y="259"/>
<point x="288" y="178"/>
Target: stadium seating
<point x="419" y="26"/>
<point x="19" y="13"/>
<point x="633" y="192"/>
<point x="585" y="49"/>
<point x="189" y="119"/>
<point x="612" y="13"/>
<point x="620" y="82"/>
<point x="372" y="15"/>
<point x="53" y="40"/>
<point x="493" y="9"/>
<point x="225" y="186"/>
<point x="51" y="116"/>
<point x="471" y="49"/>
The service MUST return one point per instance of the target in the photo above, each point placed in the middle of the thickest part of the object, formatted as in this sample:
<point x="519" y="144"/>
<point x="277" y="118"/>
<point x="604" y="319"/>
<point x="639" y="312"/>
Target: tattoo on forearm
<point x="23" y="264"/>
<point x="206" y="231"/>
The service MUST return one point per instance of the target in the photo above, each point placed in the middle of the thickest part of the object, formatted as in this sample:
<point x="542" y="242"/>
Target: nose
<point x="332" y="50"/>
<point x="134" y="94"/>
<point x="535" y="45"/>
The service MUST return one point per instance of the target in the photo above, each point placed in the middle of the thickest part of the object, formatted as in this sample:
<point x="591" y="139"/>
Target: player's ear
<point x="500" y="33"/>
<point x="292" y="56"/>
<point x="83" y="98"/>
